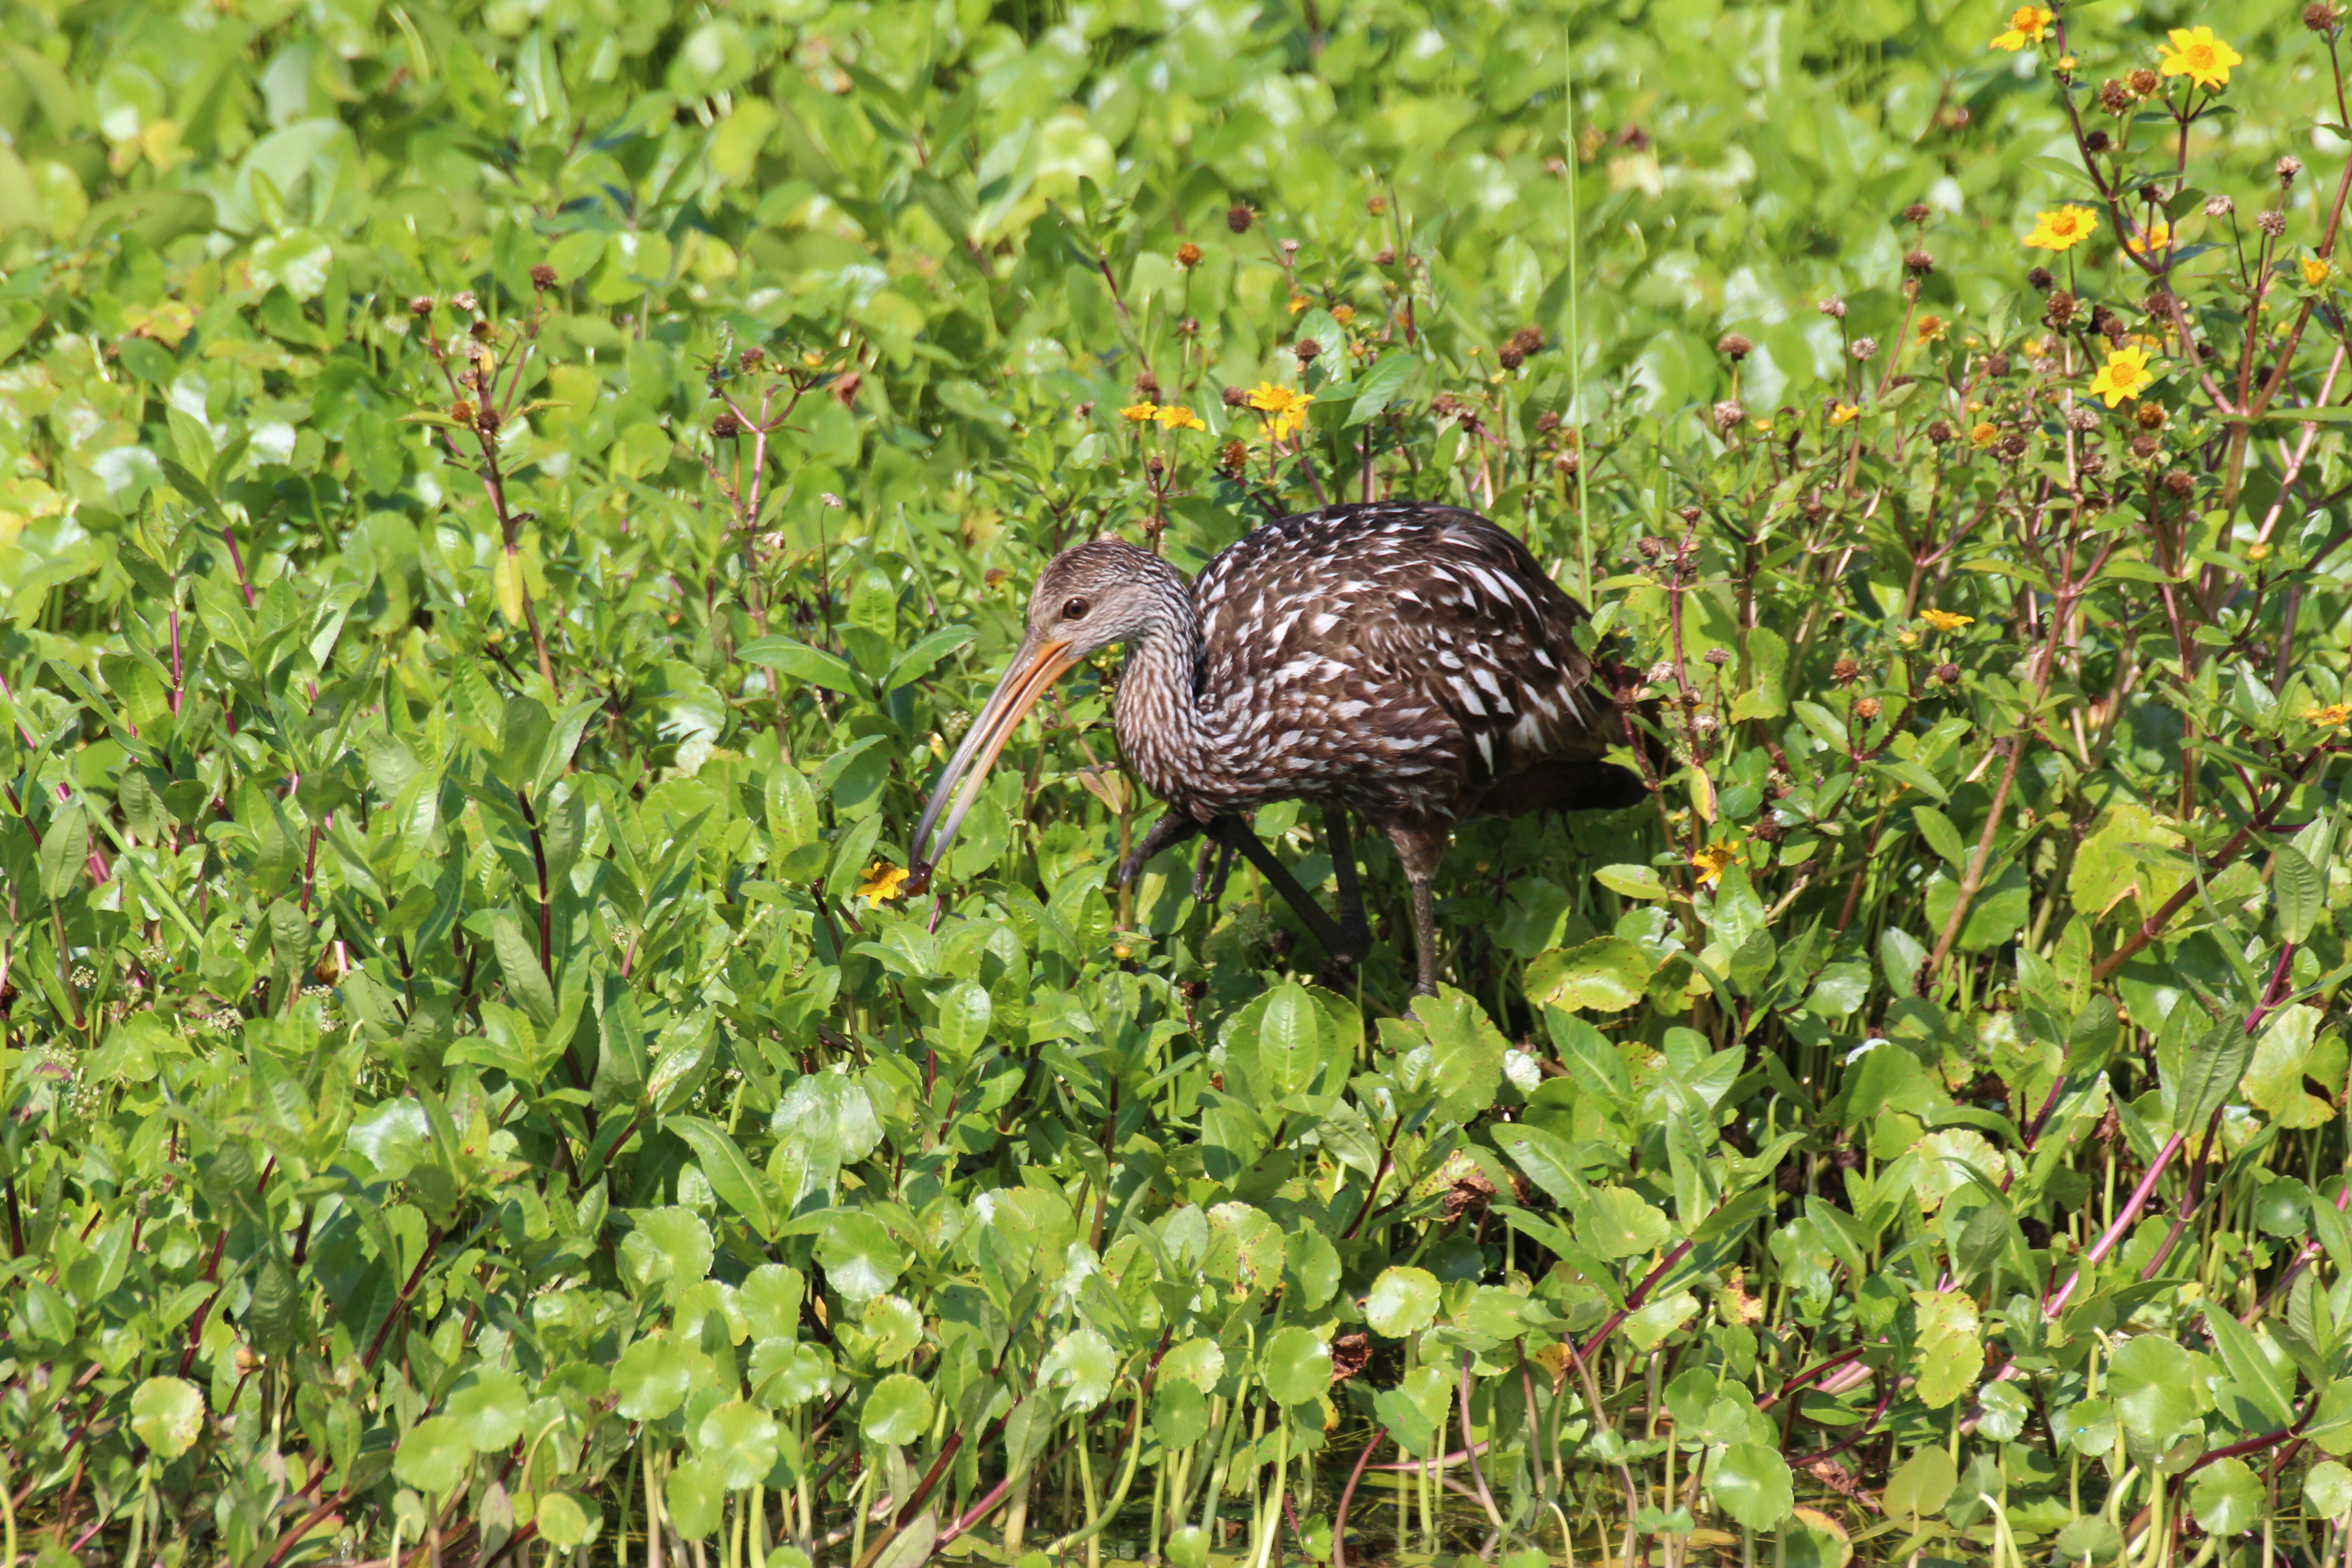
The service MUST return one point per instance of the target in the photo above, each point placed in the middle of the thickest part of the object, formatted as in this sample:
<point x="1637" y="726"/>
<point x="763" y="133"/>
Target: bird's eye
<point x="1075" y="610"/>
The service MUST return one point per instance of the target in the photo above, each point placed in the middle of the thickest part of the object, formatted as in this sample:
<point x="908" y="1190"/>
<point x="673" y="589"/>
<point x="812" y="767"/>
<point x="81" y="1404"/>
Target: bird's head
<point x="1088" y="598"/>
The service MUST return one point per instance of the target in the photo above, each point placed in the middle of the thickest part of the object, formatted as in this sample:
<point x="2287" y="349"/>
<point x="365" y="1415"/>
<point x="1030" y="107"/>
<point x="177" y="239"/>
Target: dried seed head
<point x="421" y="305"/>
<point x="1997" y="364"/>
<point x="486" y="419"/>
<point x="2220" y="206"/>
<point x="1235" y="397"/>
<point x="1547" y="422"/>
<point x="2097" y="142"/>
<point x="1527" y="340"/>
<point x="2012" y="445"/>
<point x="1509" y="358"/>
<point x="1770" y="831"/>
<point x="2145" y="447"/>
<point x="1918" y="212"/>
<point x="2157" y="302"/>
<point x="2320" y="17"/>
<point x="2039" y="279"/>
<point x="542" y="277"/>
<point x="463" y="298"/>
<point x="1864" y="350"/>
<point x="1730" y="415"/>
<point x="1568" y="463"/>
<point x="1717" y="658"/>
<point x="1306" y="348"/>
<point x="1188" y="255"/>
<point x="2273" y="224"/>
<point x="2288" y="167"/>
<point x="2061" y="307"/>
<point x="1950" y="674"/>
<point x="1688" y="513"/>
<point x="1867" y="708"/>
<point x="1939" y="431"/>
<point x="2115" y="97"/>
<point x="1735" y="346"/>
<point x="1918" y="263"/>
<point x="1147" y="383"/>
<point x="725" y="426"/>
<point x="752" y="358"/>
<point x="2144" y="81"/>
<point x="1153" y="466"/>
<point x="2179" y="483"/>
<point x="1385" y="256"/>
<point x="2150" y="416"/>
<point x="1650" y="547"/>
<point x="1233" y="458"/>
<point x="1239" y="217"/>
<point x="481" y="328"/>
<point x="2081" y="420"/>
<point x="1833" y="308"/>
<point x="462" y="411"/>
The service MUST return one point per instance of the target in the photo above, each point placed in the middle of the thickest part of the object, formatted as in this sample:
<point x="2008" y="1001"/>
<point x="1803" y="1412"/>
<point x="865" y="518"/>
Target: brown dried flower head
<point x="481" y="328"/>
<point x="1717" y="657"/>
<point x="1188" y="255"/>
<point x="1509" y="358"/>
<point x="2150" y="416"/>
<point x="2179" y="483"/>
<point x="2097" y="142"/>
<point x="2321" y="16"/>
<point x="462" y="411"/>
<point x="1918" y="212"/>
<point x="1147" y="383"/>
<point x="1547" y="422"/>
<point x="1867" y="708"/>
<point x="2115" y="97"/>
<point x="1306" y="348"/>
<point x="1238" y="218"/>
<point x="486" y="419"/>
<point x="1233" y="458"/>
<point x="2061" y="307"/>
<point x="1735" y="346"/>
<point x="752" y="358"/>
<point x="2144" y="81"/>
<point x="1235" y="397"/>
<point x="542" y="277"/>
<point x="1939" y="431"/>
<point x="1950" y="674"/>
<point x="725" y="426"/>
<point x="1997" y="364"/>
<point x="1385" y="256"/>
<point x="2288" y="167"/>
<point x="1865" y="349"/>
<point x="1650" y="546"/>
<point x="421" y="305"/>
<point x="1845" y="672"/>
<point x="2273" y="224"/>
<point x="2220" y="206"/>
<point x="1834" y="309"/>
<point x="463" y="298"/>
<point x="2145" y="447"/>
<point x="2012" y="445"/>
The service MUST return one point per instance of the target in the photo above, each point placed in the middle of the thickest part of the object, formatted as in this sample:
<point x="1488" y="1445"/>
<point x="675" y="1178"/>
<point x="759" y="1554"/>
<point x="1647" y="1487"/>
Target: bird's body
<point x="1410" y="663"/>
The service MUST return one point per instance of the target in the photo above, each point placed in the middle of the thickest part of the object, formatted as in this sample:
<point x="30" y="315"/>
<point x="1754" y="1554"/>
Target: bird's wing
<point x="1425" y="638"/>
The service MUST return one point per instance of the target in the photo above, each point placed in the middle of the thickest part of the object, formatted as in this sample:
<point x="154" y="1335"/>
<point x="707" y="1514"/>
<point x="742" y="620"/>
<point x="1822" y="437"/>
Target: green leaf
<point x="2300" y="892"/>
<point x="898" y="1411"/>
<point x="433" y="1455"/>
<point x="1401" y="1301"/>
<point x="1921" y="1485"/>
<point x="1614" y="1224"/>
<point x="487" y="1405"/>
<point x="1607" y="974"/>
<point x="696" y="1496"/>
<point x="1751" y="1483"/>
<point x="2155" y="1390"/>
<point x="1632" y="882"/>
<point x="168" y="1414"/>
<point x="738" y="1440"/>
<point x="1083" y="1363"/>
<point x="2209" y="1075"/>
<point x="860" y="1259"/>
<point x="731" y="1175"/>
<point x="652" y="1377"/>
<point x="2327" y="1488"/>
<point x="801" y="662"/>
<point x="2227" y="1497"/>
<point x="518" y="957"/>
<point x="564" y="1523"/>
<point x="1296" y="1365"/>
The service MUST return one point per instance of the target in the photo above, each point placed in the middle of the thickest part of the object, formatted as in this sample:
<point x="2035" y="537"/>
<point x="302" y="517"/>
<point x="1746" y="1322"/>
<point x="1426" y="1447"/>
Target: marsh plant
<point x="506" y="509"/>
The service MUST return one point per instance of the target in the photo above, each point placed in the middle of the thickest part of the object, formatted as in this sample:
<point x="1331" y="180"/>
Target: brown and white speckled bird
<point x="1407" y="662"/>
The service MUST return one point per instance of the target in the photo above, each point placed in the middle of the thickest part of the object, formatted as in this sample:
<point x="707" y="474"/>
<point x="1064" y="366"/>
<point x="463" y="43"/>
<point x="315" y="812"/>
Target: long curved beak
<point x="1034" y="670"/>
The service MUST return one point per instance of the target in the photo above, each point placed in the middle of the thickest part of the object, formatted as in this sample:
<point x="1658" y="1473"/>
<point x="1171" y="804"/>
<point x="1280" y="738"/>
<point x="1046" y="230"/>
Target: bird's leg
<point x="1355" y="932"/>
<point x="1173" y="827"/>
<point x="1209" y="873"/>
<point x="1420" y="846"/>
<point x="1233" y="832"/>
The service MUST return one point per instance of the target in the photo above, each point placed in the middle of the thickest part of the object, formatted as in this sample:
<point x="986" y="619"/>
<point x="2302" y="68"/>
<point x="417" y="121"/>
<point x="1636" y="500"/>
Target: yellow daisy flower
<point x="1139" y="412"/>
<point x="1843" y="414"/>
<point x="2063" y="229"/>
<point x="2335" y="715"/>
<point x="2316" y="270"/>
<point x="1176" y="416"/>
<point x="1985" y="434"/>
<point x="1928" y="329"/>
<point x="2197" y="55"/>
<point x="2027" y="25"/>
<point x="1709" y="862"/>
<point x="1946" y="621"/>
<point x="2155" y="237"/>
<point x="1287" y="408"/>
<point x="2124" y="375"/>
<point x="881" y="883"/>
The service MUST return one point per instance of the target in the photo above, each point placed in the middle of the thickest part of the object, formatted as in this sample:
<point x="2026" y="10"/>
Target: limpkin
<point x="1412" y="664"/>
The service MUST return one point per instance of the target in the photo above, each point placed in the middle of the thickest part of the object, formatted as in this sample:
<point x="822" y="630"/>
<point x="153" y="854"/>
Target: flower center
<point x="2200" y="56"/>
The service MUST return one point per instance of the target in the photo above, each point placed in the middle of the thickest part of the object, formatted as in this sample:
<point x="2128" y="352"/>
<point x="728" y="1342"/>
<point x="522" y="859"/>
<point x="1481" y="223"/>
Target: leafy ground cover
<point x="505" y="509"/>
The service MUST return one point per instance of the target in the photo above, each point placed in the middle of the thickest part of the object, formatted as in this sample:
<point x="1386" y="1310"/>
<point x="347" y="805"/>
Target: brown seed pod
<point x="1238" y="218"/>
<point x="1188" y="255"/>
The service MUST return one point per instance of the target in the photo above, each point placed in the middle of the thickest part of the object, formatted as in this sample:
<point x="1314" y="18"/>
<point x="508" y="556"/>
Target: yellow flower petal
<point x="881" y="883"/>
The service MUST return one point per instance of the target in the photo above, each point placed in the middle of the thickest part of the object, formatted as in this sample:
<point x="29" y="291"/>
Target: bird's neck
<point x="1162" y="730"/>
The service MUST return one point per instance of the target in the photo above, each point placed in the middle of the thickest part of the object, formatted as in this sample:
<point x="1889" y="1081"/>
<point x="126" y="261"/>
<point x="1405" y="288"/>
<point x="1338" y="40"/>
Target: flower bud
<point x="1950" y="674"/>
<point x="2150" y="416"/>
<point x="2145" y="447"/>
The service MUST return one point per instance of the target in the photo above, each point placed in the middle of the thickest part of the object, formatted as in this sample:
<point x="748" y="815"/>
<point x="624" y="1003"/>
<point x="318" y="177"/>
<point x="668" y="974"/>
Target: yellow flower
<point x="2335" y="715"/>
<point x="1946" y="621"/>
<point x="1139" y="412"/>
<point x="1843" y="414"/>
<point x="881" y="883"/>
<point x="1288" y="407"/>
<point x="1763" y="426"/>
<point x="2027" y="25"/>
<point x="2125" y="375"/>
<point x="1984" y="434"/>
<point x="2067" y="62"/>
<point x="1343" y="314"/>
<point x="2156" y="238"/>
<point x="1710" y="862"/>
<point x="1908" y="637"/>
<point x="2063" y="229"/>
<point x="1928" y="330"/>
<point x="2316" y="270"/>
<point x="2259" y="551"/>
<point x="1176" y="416"/>
<point x="1299" y="302"/>
<point x="2197" y="55"/>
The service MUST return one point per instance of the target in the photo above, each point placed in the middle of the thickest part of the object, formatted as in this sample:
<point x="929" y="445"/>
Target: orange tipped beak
<point x="1033" y="672"/>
